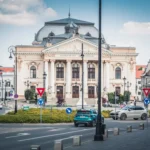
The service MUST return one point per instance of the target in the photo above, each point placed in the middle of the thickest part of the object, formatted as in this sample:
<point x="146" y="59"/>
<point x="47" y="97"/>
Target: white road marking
<point x="68" y="138"/>
<point x="51" y="135"/>
<point x="18" y="135"/>
<point x="57" y="129"/>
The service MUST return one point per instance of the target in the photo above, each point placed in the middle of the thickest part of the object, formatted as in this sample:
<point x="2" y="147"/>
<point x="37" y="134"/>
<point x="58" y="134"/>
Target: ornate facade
<point x="57" y="51"/>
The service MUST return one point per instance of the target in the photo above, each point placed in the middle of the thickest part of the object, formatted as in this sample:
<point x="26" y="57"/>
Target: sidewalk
<point x="136" y="140"/>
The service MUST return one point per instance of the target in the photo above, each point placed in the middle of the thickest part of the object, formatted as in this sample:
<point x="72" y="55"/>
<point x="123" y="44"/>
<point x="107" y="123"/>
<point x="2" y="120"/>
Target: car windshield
<point x="125" y="108"/>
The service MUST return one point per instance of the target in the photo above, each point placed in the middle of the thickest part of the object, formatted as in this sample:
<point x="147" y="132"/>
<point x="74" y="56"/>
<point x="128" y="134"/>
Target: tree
<point x="111" y="98"/>
<point x="29" y="94"/>
<point x="127" y="96"/>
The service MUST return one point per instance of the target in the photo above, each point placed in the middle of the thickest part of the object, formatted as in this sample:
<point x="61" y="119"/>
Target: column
<point x="68" y="79"/>
<point x="52" y="79"/>
<point x="107" y="75"/>
<point x="46" y="71"/>
<point x="102" y="77"/>
<point x="85" y="79"/>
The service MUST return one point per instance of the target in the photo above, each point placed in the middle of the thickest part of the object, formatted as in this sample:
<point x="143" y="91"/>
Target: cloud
<point x="135" y="28"/>
<point x="24" y="12"/>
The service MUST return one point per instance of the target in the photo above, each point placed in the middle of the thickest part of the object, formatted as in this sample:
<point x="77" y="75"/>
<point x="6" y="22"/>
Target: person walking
<point x="134" y="101"/>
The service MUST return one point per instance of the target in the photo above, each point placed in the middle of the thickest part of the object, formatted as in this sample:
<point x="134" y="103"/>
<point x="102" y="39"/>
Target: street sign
<point x="40" y="101"/>
<point x="25" y="107"/>
<point x="40" y="91"/>
<point x="146" y="101"/>
<point x="16" y="96"/>
<point x="146" y="91"/>
<point x="68" y="110"/>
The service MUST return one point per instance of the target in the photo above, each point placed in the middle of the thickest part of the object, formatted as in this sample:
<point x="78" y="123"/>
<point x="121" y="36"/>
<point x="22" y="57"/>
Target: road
<point x="21" y="136"/>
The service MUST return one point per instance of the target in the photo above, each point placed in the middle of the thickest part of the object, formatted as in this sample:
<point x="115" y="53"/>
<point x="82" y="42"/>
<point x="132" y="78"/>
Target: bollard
<point x="129" y="128"/>
<point x="58" y="145"/>
<point x="116" y="131"/>
<point x="35" y="147"/>
<point x="106" y="134"/>
<point x="76" y="140"/>
<point x="141" y="126"/>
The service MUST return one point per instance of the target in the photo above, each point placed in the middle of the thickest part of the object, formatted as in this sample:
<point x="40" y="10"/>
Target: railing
<point x="59" y="79"/>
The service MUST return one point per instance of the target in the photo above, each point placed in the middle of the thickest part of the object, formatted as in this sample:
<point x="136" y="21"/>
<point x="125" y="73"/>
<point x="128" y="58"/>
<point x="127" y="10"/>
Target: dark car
<point x="86" y="117"/>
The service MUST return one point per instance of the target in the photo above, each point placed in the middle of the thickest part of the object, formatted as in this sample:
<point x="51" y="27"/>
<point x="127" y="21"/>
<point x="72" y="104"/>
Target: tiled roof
<point x="139" y="70"/>
<point x="7" y="69"/>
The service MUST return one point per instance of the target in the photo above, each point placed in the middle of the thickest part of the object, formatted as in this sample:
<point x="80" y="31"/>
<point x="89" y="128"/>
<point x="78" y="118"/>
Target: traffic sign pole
<point x="41" y="114"/>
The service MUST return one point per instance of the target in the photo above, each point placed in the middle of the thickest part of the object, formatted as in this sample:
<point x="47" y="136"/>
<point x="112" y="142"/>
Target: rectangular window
<point x="75" y="72"/>
<point x="91" y="73"/>
<point x="75" y="92"/>
<point x="60" y="72"/>
<point x="60" y="91"/>
<point x="139" y="82"/>
<point x="33" y="73"/>
<point x="91" y="92"/>
<point x="8" y="84"/>
<point x="139" y="93"/>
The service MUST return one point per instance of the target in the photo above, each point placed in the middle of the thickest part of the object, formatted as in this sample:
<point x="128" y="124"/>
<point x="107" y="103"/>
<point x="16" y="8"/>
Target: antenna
<point x="69" y="12"/>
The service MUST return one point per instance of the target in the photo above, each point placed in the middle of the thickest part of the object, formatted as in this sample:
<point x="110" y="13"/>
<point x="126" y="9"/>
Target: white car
<point x="1" y="106"/>
<point x="132" y="112"/>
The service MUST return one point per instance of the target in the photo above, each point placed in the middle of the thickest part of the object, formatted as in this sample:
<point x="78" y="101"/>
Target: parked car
<point x="1" y="106"/>
<point x="86" y="117"/>
<point x="134" y="112"/>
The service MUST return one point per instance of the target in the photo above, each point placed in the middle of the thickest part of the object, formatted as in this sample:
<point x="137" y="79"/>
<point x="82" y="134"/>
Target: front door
<point x="60" y="91"/>
<point x="75" y="92"/>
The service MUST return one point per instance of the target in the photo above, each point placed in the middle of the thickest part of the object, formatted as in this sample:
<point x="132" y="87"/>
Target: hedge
<point x="33" y="116"/>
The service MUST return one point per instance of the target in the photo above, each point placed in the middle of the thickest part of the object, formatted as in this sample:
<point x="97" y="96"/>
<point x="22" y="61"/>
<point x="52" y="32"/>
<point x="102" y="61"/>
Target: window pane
<point x="118" y="73"/>
<point x="60" y="72"/>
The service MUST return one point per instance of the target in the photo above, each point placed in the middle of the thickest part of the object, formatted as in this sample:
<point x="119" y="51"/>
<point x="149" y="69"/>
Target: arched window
<point x="59" y="70"/>
<point x="32" y="72"/>
<point x="75" y="70"/>
<point x="91" y="71"/>
<point x="118" y="73"/>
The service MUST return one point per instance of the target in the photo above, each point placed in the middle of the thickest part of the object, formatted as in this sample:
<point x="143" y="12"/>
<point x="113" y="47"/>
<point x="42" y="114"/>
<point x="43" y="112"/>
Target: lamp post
<point x="124" y="79"/>
<point x="98" y="135"/>
<point x="128" y="85"/>
<point x="6" y="84"/>
<point x="44" y="79"/>
<point x="82" y="55"/>
<point x="12" y="50"/>
<point x="27" y="83"/>
<point x="1" y="73"/>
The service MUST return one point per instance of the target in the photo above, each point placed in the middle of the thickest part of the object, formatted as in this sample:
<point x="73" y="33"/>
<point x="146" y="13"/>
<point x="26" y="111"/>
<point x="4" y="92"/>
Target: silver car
<point x="134" y="112"/>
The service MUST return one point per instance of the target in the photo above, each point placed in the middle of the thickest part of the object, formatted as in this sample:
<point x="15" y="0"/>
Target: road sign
<point x="10" y="94"/>
<point x="25" y="107"/>
<point x="68" y="110"/>
<point x="40" y="101"/>
<point x="146" y="101"/>
<point x="16" y="96"/>
<point x="40" y="91"/>
<point x="146" y="91"/>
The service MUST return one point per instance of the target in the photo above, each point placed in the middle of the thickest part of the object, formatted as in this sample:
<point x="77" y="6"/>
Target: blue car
<point x="86" y="117"/>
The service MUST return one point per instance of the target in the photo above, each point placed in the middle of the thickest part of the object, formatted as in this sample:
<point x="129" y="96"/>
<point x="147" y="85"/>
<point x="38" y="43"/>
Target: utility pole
<point x="82" y="55"/>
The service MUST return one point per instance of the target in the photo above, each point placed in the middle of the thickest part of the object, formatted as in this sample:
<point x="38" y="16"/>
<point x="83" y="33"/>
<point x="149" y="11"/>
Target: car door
<point x="138" y="111"/>
<point x="131" y="112"/>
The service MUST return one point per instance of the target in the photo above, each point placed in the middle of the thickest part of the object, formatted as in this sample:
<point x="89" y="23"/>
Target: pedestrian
<point x="134" y="101"/>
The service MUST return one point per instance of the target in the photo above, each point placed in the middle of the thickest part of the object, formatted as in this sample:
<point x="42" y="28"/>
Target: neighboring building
<point x="57" y="51"/>
<point x="139" y="71"/>
<point x="145" y="78"/>
<point x="7" y="75"/>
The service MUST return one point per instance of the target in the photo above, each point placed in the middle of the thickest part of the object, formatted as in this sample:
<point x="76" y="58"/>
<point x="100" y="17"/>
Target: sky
<point x="124" y="22"/>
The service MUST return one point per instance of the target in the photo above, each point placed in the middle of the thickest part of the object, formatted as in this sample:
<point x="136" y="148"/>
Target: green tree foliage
<point x="111" y="98"/>
<point x="29" y="94"/>
<point x="127" y="96"/>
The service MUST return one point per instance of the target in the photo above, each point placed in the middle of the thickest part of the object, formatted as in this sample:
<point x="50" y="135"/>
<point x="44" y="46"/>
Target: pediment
<point x="73" y="45"/>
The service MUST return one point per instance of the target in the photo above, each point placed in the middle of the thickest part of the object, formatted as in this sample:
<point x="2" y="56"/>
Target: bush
<point x="29" y="94"/>
<point x="33" y="116"/>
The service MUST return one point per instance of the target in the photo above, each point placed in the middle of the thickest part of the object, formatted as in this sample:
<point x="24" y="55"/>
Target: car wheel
<point x="144" y="117"/>
<point x="123" y="117"/>
<point x="76" y="125"/>
<point x="113" y="118"/>
<point x="135" y="118"/>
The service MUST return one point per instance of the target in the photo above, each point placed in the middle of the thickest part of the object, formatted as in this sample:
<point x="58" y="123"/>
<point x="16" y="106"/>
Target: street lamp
<point x="124" y="79"/>
<point x="82" y="55"/>
<point x="1" y="73"/>
<point x="12" y="50"/>
<point x="128" y="85"/>
<point x="99" y="126"/>
<point x="27" y="83"/>
<point x="44" y="79"/>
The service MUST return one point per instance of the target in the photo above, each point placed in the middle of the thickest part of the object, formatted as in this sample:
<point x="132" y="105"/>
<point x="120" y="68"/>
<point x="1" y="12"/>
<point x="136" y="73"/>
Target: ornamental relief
<point x="131" y="62"/>
<point x="19" y="62"/>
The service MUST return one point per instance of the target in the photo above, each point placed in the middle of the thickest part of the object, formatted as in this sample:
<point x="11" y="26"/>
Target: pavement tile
<point x="137" y="140"/>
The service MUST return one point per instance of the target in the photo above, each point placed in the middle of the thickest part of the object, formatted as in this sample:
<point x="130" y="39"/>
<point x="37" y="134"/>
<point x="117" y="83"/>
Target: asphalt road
<point x="22" y="136"/>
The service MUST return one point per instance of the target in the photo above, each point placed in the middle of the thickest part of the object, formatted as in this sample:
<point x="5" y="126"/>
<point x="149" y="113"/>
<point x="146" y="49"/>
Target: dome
<point x="71" y="28"/>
